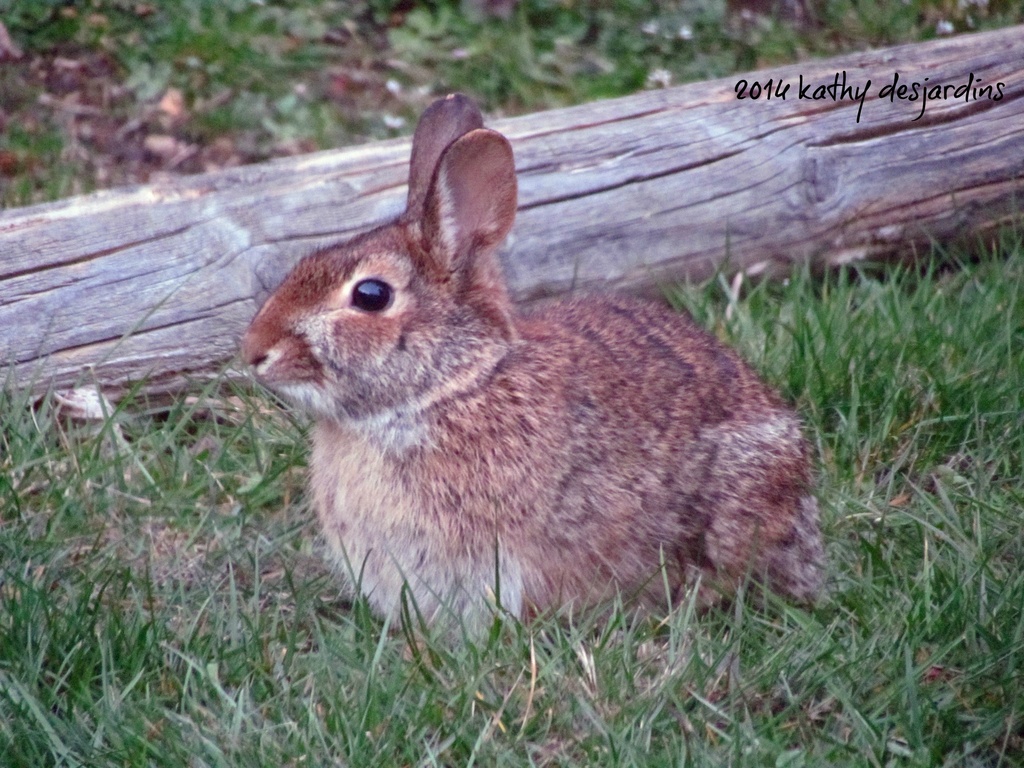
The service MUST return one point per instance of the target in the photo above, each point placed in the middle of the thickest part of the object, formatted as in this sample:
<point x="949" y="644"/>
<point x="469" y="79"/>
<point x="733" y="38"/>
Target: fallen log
<point x="760" y="171"/>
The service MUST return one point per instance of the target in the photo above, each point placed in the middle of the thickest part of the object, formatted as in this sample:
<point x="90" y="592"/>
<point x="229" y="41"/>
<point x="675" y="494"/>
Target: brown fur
<point x="596" y="445"/>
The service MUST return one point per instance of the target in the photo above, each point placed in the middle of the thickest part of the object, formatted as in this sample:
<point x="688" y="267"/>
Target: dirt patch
<point x="72" y="120"/>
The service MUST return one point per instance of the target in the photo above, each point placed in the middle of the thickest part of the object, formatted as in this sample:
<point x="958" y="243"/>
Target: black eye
<point x="372" y="295"/>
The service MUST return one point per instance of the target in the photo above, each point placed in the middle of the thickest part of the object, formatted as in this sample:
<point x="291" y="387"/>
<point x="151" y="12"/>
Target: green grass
<point x="163" y="601"/>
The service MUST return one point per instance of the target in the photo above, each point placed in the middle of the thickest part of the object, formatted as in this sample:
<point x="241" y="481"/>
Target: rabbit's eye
<point x="372" y="295"/>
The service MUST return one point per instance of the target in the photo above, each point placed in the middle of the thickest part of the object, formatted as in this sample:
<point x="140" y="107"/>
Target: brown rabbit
<point x="545" y="458"/>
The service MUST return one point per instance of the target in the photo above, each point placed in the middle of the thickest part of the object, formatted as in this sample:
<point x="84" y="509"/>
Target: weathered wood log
<point x="161" y="280"/>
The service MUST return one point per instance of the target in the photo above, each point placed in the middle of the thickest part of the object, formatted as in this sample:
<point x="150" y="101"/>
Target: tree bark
<point x="159" y="281"/>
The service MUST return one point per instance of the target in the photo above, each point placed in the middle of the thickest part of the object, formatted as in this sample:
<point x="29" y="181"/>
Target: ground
<point x="102" y="93"/>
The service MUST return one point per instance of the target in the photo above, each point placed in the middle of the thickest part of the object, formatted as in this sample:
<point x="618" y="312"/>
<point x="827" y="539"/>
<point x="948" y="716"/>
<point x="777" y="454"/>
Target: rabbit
<point x="481" y="455"/>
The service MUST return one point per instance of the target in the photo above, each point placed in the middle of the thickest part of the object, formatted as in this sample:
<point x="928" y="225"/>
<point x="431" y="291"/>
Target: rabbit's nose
<point x="262" y="360"/>
<point x="254" y="352"/>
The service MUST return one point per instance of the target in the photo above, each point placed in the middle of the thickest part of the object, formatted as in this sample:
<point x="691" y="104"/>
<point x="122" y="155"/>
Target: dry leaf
<point x="84" y="403"/>
<point x="9" y="50"/>
<point x="172" y="103"/>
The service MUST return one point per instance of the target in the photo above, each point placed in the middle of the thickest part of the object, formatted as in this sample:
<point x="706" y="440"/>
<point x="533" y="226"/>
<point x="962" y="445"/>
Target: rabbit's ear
<point x="469" y="209"/>
<point x="440" y="124"/>
<point x="471" y="203"/>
